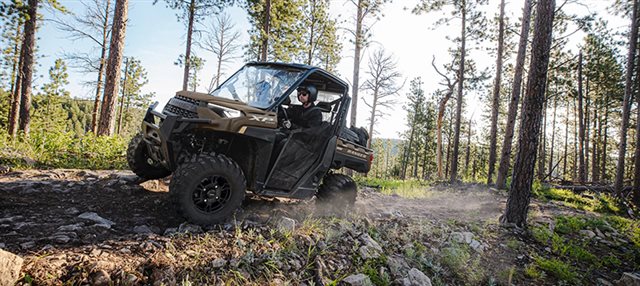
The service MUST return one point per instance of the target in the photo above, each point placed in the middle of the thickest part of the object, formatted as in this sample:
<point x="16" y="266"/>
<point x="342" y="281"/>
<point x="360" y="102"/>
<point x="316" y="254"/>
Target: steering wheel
<point x="286" y="123"/>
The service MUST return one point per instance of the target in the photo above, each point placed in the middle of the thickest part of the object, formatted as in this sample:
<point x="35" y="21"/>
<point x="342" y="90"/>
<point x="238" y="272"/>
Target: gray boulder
<point x="10" y="265"/>
<point x="358" y="280"/>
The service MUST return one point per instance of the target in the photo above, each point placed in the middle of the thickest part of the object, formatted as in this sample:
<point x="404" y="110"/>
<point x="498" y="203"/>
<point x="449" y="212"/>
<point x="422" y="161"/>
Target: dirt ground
<point x="68" y="208"/>
<point x="67" y="224"/>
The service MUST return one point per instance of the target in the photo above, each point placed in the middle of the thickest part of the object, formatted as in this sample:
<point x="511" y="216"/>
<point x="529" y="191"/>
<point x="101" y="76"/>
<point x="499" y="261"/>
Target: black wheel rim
<point x="211" y="194"/>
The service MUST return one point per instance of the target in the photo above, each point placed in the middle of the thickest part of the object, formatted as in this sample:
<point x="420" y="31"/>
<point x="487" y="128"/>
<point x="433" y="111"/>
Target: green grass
<point x="64" y="150"/>
<point x="403" y="188"/>
<point x="601" y="203"/>
<point x="557" y="268"/>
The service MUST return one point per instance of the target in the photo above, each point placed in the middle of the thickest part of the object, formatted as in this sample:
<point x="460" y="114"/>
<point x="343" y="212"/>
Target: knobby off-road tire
<point x="207" y="189"/>
<point x="138" y="160"/>
<point x="337" y="194"/>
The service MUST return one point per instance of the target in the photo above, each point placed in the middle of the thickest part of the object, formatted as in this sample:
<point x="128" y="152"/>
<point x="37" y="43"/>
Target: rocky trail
<point x="107" y="227"/>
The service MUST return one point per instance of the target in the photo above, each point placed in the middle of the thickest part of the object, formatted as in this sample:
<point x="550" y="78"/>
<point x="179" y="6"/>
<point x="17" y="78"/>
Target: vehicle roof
<point x="309" y="69"/>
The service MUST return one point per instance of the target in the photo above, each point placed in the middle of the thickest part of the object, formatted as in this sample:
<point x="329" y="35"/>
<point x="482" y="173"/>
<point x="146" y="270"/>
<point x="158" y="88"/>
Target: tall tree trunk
<point x="496" y="97"/>
<point x="456" y="138"/>
<point x="441" y="110"/>
<point x="356" y="62"/>
<point x="603" y="162"/>
<point x="266" y="27"/>
<point x="582" y="168"/>
<point x="520" y="191"/>
<point x="566" y="144"/>
<point x="28" y="45"/>
<point x="124" y="94"/>
<point x="16" y="60"/>
<point x="415" y="163"/>
<point x="187" y="53"/>
<point x="15" y="101"/>
<point x="636" y="175"/>
<point x="553" y="131"/>
<point x="408" y="150"/>
<point x="576" y="139"/>
<point x="597" y="132"/>
<point x="101" y="70"/>
<point x="312" y="34"/>
<point x="113" y="67"/>
<point x="587" y="129"/>
<point x="466" y="159"/>
<point x="628" y="89"/>
<point x="543" y="143"/>
<point x="505" y="156"/>
<point x="373" y="117"/>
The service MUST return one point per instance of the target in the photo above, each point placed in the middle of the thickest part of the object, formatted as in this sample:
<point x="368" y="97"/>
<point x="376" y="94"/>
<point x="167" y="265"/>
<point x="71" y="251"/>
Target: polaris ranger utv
<point x="238" y="138"/>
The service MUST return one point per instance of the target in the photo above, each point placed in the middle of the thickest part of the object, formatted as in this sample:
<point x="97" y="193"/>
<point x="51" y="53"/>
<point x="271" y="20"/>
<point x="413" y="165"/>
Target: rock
<point x="186" y="227"/>
<point x="599" y="233"/>
<point x="218" y="262"/>
<point x="29" y="162"/>
<point x="71" y="227"/>
<point x="72" y="211"/>
<point x="10" y="266"/>
<point x="170" y="231"/>
<point x="27" y="245"/>
<point x="2" y="245"/>
<point x="587" y="233"/>
<point x="100" y="278"/>
<point x="130" y="279"/>
<point x="163" y="276"/>
<point x="370" y="248"/>
<point x="629" y="279"/>
<point x="417" y="278"/>
<point x="358" y="280"/>
<point x="60" y="238"/>
<point x="4" y="169"/>
<point x="96" y="218"/>
<point x="477" y="246"/>
<point x="10" y="219"/>
<point x="461" y="237"/>
<point x="397" y="265"/>
<point x="142" y="229"/>
<point x="286" y="224"/>
<point x="602" y="282"/>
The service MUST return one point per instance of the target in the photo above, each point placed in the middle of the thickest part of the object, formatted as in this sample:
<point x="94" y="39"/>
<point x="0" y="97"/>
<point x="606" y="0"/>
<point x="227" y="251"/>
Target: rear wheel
<point x="207" y="189"/>
<point x="140" y="162"/>
<point x="337" y="193"/>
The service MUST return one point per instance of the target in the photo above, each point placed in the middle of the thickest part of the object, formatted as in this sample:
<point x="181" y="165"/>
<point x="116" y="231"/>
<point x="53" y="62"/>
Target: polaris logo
<point x="262" y="118"/>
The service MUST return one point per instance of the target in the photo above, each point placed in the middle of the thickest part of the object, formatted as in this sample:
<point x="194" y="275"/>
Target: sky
<point x="156" y="38"/>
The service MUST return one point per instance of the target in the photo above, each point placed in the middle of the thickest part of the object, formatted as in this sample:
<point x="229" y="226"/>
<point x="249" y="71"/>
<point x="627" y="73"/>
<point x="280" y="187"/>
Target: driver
<point x="305" y="115"/>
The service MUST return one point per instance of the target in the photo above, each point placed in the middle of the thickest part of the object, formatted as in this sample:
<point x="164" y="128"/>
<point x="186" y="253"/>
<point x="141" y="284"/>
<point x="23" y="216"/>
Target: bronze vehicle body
<point x="218" y="146"/>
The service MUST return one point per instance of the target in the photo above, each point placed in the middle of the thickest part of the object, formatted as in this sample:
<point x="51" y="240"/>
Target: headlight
<point x="227" y="112"/>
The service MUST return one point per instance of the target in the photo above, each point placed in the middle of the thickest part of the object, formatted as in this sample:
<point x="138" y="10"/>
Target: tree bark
<point x="101" y="70"/>
<point x="496" y="98"/>
<point x="582" y="169"/>
<point x="466" y="159"/>
<point x="456" y="138"/>
<point x="356" y="62"/>
<point x="543" y="143"/>
<point x="603" y="162"/>
<point x="124" y="94"/>
<point x="628" y="89"/>
<point x="16" y="61"/>
<point x="373" y="117"/>
<point x="116" y="48"/>
<point x="187" y="53"/>
<point x="505" y="156"/>
<point x="15" y="101"/>
<point x="553" y="131"/>
<point x="597" y="132"/>
<point x="520" y="191"/>
<point x="566" y="144"/>
<point x="29" y="42"/>
<point x="266" y="27"/>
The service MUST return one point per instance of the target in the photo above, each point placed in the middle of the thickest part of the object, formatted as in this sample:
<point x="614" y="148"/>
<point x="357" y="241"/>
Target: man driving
<point x="305" y="115"/>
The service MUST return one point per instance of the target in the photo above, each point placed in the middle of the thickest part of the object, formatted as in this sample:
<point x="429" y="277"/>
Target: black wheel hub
<point x="211" y="194"/>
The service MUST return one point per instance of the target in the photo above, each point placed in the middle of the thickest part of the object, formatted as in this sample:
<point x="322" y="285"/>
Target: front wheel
<point x="207" y="189"/>
<point x="337" y="193"/>
<point x="140" y="162"/>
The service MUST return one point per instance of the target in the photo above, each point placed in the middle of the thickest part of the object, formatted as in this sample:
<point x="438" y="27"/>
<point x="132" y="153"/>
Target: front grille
<point x="182" y="106"/>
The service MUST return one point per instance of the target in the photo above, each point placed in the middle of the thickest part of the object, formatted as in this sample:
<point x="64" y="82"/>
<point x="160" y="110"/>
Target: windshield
<point x="258" y="86"/>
